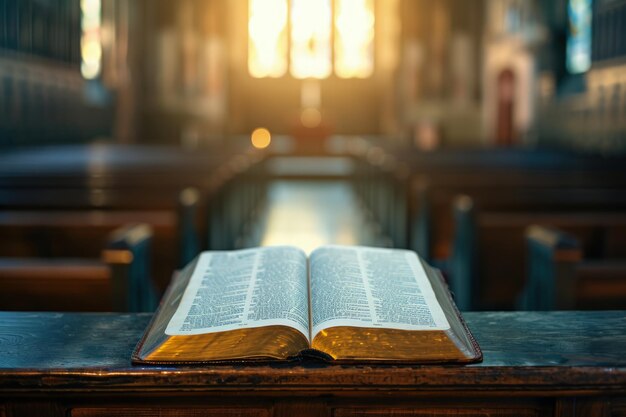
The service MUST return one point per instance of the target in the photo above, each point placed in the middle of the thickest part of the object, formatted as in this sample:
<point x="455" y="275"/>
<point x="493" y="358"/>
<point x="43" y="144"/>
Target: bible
<point x="343" y="303"/>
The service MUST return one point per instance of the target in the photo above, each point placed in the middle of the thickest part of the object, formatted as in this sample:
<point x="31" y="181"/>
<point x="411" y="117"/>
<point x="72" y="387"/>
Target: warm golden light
<point x="310" y="38"/>
<point x="90" y="42"/>
<point x="267" y="37"/>
<point x="261" y="138"/>
<point x="311" y="117"/>
<point x="354" y="38"/>
<point x="311" y="94"/>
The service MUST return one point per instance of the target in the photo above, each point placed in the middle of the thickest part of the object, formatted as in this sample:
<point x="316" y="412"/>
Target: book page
<point x="244" y="289"/>
<point x="369" y="287"/>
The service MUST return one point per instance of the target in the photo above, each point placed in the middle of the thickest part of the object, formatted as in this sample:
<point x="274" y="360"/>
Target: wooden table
<point x="535" y="364"/>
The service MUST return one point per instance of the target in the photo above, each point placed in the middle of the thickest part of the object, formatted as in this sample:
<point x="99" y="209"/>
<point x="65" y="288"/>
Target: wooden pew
<point x="99" y="185"/>
<point x="382" y="184"/>
<point x="418" y="214"/>
<point x="502" y="180"/>
<point x="481" y="235"/>
<point x="560" y="278"/>
<point x="558" y="200"/>
<point x="434" y="208"/>
<point x="118" y="281"/>
<point x="82" y="233"/>
<point x="486" y="267"/>
<point x="238" y="190"/>
<point x="110" y="177"/>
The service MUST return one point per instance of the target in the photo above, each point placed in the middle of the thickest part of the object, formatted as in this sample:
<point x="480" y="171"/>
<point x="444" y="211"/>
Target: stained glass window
<point x="578" y="52"/>
<point x="307" y="27"/>
<point x="267" y="37"/>
<point x="90" y="42"/>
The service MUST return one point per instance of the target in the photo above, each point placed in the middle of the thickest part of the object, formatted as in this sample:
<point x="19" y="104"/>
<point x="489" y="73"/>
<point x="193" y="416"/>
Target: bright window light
<point x="90" y="42"/>
<point x="578" y="48"/>
<point x="354" y="38"/>
<point x="310" y="38"/>
<point x="297" y="36"/>
<point x="267" y="37"/>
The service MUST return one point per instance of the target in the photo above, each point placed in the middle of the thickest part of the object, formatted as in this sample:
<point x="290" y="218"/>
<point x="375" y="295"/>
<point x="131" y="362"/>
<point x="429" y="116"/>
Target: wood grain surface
<point x="563" y="351"/>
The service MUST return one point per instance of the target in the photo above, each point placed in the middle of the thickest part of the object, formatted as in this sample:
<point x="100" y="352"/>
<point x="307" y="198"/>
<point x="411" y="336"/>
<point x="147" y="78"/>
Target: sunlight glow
<point x="310" y="38"/>
<point x="311" y="117"/>
<point x="354" y="38"/>
<point x="267" y="37"/>
<point x="90" y="42"/>
<point x="298" y="36"/>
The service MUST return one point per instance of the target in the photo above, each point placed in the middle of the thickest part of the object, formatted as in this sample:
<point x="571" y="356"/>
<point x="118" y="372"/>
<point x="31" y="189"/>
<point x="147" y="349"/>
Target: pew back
<point x="61" y="201"/>
<point x="560" y="278"/>
<point x="505" y="180"/>
<point x="55" y="285"/>
<point x="487" y="266"/>
<point x="118" y="281"/>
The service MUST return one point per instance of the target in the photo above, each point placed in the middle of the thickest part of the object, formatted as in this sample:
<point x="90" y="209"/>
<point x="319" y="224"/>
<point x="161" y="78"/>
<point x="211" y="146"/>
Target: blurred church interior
<point x="489" y="136"/>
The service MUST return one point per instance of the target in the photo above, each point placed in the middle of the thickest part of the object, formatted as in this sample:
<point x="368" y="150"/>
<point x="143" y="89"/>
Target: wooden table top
<point x="527" y="351"/>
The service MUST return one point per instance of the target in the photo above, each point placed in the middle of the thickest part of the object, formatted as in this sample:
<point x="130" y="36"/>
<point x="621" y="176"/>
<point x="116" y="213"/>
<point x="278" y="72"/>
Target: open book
<point x="343" y="303"/>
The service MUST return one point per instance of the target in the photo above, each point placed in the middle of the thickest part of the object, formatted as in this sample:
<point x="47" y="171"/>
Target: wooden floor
<point x="311" y="213"/>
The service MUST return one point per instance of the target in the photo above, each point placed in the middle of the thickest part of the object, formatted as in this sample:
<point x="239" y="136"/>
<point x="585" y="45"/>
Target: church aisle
<point x="309" y="213"/>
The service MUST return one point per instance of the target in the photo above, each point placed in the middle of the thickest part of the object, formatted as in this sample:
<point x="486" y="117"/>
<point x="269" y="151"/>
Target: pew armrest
<point x="551" y="276"/>
<point x="128" y="255"/>
<point x="188" y="239"/>
<point x="462" y="269"/>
